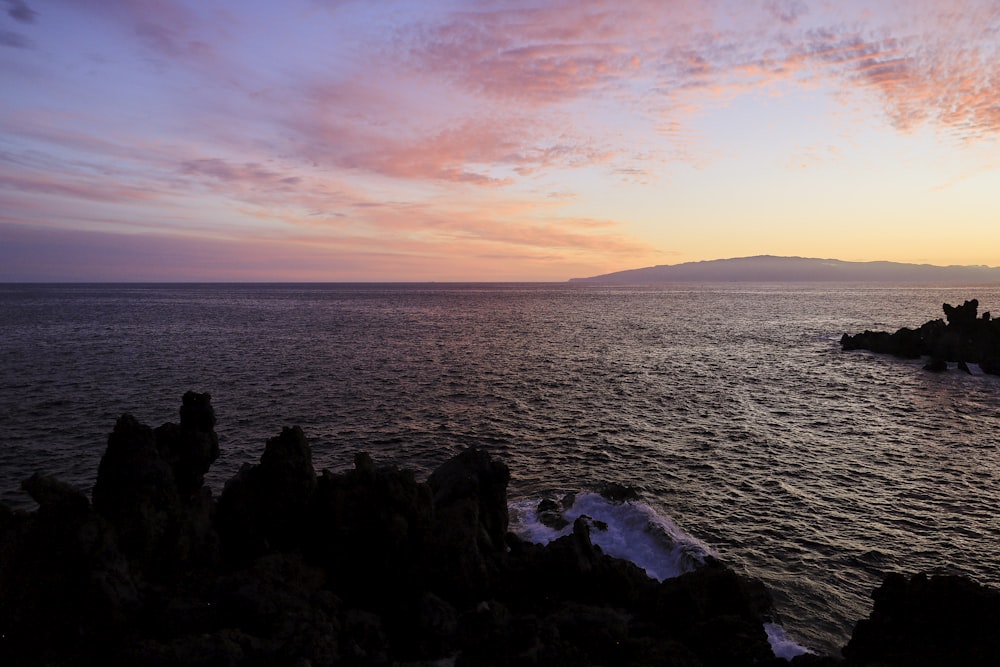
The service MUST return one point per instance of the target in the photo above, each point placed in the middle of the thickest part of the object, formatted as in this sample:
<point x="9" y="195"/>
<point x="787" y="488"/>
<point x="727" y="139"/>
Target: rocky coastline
<point x="966" y="338"/>
<point x="373" y="567"/>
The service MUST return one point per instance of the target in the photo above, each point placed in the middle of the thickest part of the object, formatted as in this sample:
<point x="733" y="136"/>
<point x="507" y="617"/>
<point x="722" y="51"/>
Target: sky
<point x="491" y="140"/>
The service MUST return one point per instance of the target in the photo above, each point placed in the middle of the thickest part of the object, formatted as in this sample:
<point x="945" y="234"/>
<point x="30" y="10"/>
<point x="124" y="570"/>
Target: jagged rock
<point x="964" y="339"/>
<point x="423" y="629"/>
<point x="371" y="566"/>
<point x="936" y="366"/>
<point x="991" y="365"/>
<point x="64" y="584"/>
<point x="618" y="493"/>
<point x="962" y="317"/>
<point x="191" y="447"/>
<point x="924" y="621"/>
<point x="137" y="493"/>
<point x="372" y="522"/>
<point x="473" y="474"/>
<point x="578" y="554"/>
<point x="268" y="506"/>
<point x="284" y="599"/>
<point x="470" y="523"/>
<point x="160" y="524"/>
<point x="550" y="513"/>
<point x="55" y="497"/>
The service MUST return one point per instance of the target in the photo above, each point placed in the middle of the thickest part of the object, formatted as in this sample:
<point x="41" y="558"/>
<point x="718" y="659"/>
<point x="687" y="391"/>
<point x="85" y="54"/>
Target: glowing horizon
<point x="340" y="140"/>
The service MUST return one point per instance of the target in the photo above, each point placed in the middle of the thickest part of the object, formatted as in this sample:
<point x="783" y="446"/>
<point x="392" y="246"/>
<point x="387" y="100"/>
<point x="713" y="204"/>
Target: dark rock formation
<point x="965" y="339"/>
<point x="372" y="524"/>
<point x="927" y="621"/>
<point x="193" y="446"/>
<point x="161" y="524"/>
<point x="266" y="507"/>
<point x="63" y="576"/>
<point x="471" y="517"/>
<point x="550" y="513"/>
<point x="371" y="566"/>
<point x="616" y="492"/>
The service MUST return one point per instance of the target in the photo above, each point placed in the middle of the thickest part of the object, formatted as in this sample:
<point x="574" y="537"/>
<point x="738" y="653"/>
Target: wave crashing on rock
<point x="372" y="566"/>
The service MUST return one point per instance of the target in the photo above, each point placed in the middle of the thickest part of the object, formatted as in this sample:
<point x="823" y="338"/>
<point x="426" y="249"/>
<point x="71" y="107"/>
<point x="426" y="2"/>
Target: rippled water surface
<point x="732" y="407"/>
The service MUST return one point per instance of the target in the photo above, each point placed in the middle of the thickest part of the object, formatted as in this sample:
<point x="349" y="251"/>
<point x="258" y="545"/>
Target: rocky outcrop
<point x="928" y="621"/>
<point x="150" y="488"/>
<point x="367" y="566"/>
<point x="63" y="576"/>
<point x="965" y="338"/>
<point x="266" y="507"/>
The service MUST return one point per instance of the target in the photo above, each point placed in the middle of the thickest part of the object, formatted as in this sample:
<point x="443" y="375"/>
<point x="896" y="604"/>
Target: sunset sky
<point x="384" y="140"/>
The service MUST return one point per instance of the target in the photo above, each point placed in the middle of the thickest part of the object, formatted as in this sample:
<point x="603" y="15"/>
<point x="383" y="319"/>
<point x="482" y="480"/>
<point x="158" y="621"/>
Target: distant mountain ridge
<point x="770" y="268"/>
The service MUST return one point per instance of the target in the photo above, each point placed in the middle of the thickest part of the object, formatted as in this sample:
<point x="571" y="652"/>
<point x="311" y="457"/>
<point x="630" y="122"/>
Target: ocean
<point x="731" y="408"/>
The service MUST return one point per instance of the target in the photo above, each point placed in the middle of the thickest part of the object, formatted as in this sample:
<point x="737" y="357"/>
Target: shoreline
<point x="371" y="566"/>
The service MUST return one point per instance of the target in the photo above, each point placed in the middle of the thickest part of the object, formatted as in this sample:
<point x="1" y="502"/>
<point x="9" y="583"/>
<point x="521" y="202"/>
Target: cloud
<point x="249" y="173"/>
<point x="640" y="55"/>
<point x="940" y="78"/>
<point x="352" y="126"/>
<point x="20" y="11"/>
<point x="14" y="40"/>
<point x="547" y="53"/>
<point x="787" y="11"/>
<point x="433" y="127"/>
<point x="172" y="32"/>
<point x="171" y="41"/>
<point x="95" y="190"/>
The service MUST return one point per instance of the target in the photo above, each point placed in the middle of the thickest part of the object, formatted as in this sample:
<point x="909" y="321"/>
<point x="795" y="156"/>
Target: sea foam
<point x="636" y="532"/>
<point x="782" y="645"/>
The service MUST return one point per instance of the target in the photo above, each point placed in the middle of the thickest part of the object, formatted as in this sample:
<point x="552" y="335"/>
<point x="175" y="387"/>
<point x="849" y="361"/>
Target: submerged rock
<point x="618" y="493"/>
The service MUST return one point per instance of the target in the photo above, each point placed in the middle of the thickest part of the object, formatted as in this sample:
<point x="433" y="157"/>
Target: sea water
<point x="731" y="409"/>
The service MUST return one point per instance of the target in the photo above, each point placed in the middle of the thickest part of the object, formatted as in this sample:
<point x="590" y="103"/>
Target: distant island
<point x="769" y="268"/>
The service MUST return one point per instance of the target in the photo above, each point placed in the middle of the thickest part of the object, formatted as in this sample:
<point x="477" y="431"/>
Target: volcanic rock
<point x="964" y="339"/>
<point x="193" y="446"/>
<point x="65" y="585"/>
<point x="371" y="566"/>
<point x="372" y="524"/>
<point x="267" y="506"/>
<point x="925" y="621"/>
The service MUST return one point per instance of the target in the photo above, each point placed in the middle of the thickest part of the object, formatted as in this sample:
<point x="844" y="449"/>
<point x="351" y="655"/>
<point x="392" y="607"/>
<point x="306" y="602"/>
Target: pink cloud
<point x="938" y="68"/>
<point x="466" y="148"/>
<point x="432" y="137"/>
<point x="249" y="173"/>
<point x="944" y="80"/>
<point x="93" y="189"/>
<point x="549" y="53"/>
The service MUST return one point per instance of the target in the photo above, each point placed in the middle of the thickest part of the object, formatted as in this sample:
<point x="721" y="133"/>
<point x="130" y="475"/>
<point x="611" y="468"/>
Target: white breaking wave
<point x="782" y="645"/>
<point x="638" y="533"/>
<point x="635" y="531"/>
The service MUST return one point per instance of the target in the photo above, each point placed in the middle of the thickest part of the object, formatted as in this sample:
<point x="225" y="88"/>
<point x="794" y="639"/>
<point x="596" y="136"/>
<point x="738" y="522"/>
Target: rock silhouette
<point x="965" y="338"/>
<point x="372" y="566"/>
